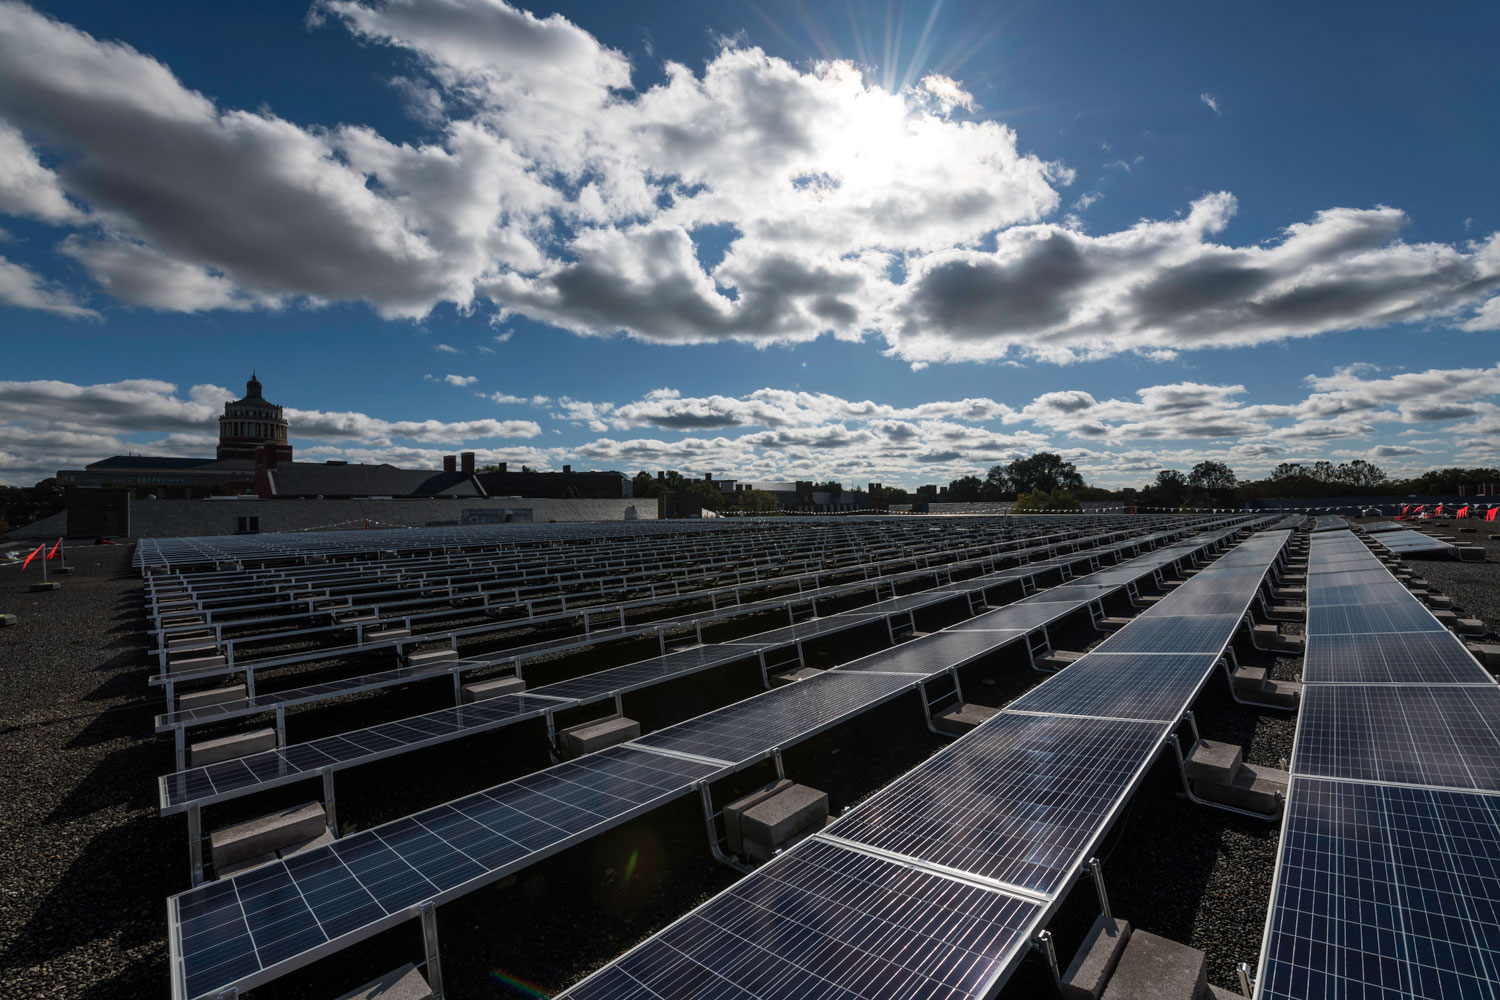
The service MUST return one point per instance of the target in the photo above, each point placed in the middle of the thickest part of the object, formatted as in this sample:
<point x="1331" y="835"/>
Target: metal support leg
<point x="1187" y="788"/>
<point x="179" y="740"/>
<point x="280" y="726"/>
<point x="195" y="842"/>
<point x="1044" y="948"/>
<point x="706" y="797"/>
<point x="1096" y="868"/>
<point x="780" y="766"/>
<point x="329" y="805"/>
<point x="427" y="912"/>
<point x="1243" y="971"/>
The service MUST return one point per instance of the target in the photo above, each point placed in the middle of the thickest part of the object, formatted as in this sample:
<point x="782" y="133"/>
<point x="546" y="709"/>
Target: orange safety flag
<point x="33" y="555"/>
<point x="53" y="553"/>
<point x="1463" y="511"/>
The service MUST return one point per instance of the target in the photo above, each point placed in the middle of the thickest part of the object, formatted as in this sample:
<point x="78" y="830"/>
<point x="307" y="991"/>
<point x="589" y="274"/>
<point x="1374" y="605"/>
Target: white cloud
<point x="24" y="288"/>
<point x="458" y="380"/>
<point x="745" y="199"/>
<point x="27" y="187"/>
<point x="1212" y="103"/>
<point x="506" y="399"/>
<point x="446" y="349"/>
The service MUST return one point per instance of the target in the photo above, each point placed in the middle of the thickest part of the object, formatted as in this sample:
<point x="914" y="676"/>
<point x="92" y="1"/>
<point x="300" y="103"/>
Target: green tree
<point x="1212" y="476"/>
<point x="756" y="502"/>
<point x="996" y="485"/>
<point x="965" y="490"/>
<point x="1046" y="500"/>
<point x="1043" y="471"/>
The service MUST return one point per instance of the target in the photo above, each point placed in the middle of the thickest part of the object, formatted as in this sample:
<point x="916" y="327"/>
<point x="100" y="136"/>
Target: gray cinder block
<point x="1097" y="957"/>
<point x="592" y="736"/>
<point x="775" y="821"/>
<point x="230" y="747"/>
<point x="428" y="657"/>
<point x="212" y="696"/>
<point x="480" y="690"/>
<point x="962" y="718"/>
<point x="269" y="833"/>
<point x="1214" y="762"/>
<point x="405" y="983"/>
<point x="1154" y="968"/>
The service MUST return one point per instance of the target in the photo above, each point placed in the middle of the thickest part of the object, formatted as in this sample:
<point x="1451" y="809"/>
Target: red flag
<point x="1491" y="515"/>
<point x="33" y="555"/>
<point x="53" y="553"/>
<point x="1463" y="511"/>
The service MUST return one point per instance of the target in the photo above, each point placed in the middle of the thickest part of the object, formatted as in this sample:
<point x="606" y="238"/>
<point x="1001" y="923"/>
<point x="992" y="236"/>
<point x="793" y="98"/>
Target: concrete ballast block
<point x="427" y="657"/>
<point x="1089" y="972"/>
<point x="6" y="621"/>
<point x="494" y="688"/>
<point x="962" y="718"/>
<point x="775" y="821"/>
<point x="1154" y="968"/>
<point x="230" y="747"/>
<point x="213" y="696"/>
<point x="1254" y="788"/>
<point x="793" y="676"/>
<point x="733" y="829"/>
<point x="1470" y="626"/>
<point x="592" y="736"/>
<point x="1213" y="762"/>
<point x="405" y="983"/>
<point x="267" y="833"/>
<point x="196" y="663"/>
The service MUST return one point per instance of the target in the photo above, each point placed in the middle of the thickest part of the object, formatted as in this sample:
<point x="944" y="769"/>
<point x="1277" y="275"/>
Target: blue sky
<point x="773" y="240"/>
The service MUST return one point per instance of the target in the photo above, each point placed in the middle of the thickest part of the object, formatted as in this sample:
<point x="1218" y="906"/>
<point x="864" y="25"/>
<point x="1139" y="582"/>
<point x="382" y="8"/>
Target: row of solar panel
<point x="996" y="826"/>
<point x="1388" y="874"/>
<point x="248" y="929"/>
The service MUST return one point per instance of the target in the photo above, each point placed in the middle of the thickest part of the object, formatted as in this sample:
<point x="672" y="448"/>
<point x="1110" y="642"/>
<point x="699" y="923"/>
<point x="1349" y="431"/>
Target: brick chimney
<point x="467" y="462"/>
<point x="450" y="463"/>
<point x="502" y="467"/>
<point x="567" y="468"/>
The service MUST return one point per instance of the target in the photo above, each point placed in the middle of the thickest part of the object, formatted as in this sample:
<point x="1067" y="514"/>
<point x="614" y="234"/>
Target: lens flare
<point x="519" y="985"/>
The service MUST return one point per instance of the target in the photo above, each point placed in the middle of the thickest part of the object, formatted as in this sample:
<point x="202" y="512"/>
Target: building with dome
<point x="250" y="423"/>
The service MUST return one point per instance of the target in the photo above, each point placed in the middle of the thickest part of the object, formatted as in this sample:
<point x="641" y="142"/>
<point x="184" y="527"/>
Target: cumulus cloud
<point x="27" y="187"/>
<point x="22" y="287"/>
<point x="458" y="380"/>
<point x="1212" y="103"/>
<point x="747" y="198"/>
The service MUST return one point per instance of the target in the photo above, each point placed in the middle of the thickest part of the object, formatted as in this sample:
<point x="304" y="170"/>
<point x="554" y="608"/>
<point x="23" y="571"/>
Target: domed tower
<point x="250" y="423"/>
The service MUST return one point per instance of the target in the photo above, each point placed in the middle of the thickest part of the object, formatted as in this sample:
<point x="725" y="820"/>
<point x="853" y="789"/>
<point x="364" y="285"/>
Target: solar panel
<point x="1122" y="686"/>
<point x="1072" y="592"/>
<point x="239" y="929"/>
<point x="745" y="730"/>
<point x="299" y="761"/>
<point x="1412" y="734"/>
<point x="1390" y="658"/>
<point x="1173" y="634"/>
<point x="1384" y="893"/>
<point x="1344" y="618"/>
<point x="1323" y="594"/>
<point x="1016" y="801"/>
<point x="932" y="654"/>
<point x="1023" y="615"/>
<point x="633" y="675"/>
<point x="827" y="922"/>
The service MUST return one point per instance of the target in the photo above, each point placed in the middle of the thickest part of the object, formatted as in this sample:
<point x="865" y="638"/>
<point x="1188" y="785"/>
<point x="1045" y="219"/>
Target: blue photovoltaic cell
<point x="1386" y="658"/>
<point x="234" y="928"/>
<point x="1023" y="615"/>
<point x="1408" y="616"/>
<point x="1121" y="685"/>
<point x="827" y="922"/>
<point x="931" y="654"/>
<point x="1173" y="634"/>
<point x="1015" y="800"/>
<point x="746" y="730"/>
<point x="1412" y="734"/>
<point x="301" y="760"/>
<point x="1385" y="893"/>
